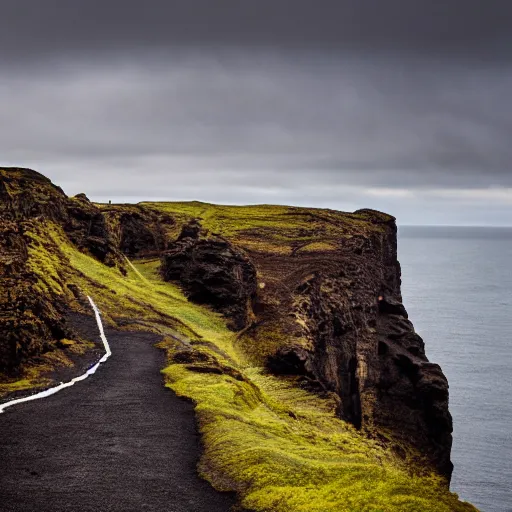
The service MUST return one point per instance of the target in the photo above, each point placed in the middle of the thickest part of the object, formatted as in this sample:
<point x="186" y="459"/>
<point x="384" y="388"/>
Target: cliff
<point x="312" y="322"/>
<point x="326" y="306"/>
<point x="32" y="305"/>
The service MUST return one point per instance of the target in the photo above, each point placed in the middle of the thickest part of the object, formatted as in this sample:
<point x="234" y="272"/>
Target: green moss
<point x="266" y="338"/>
<point x="271" y="228"/>
<point x="283" y="449"/>
<point x="46" y="260"/>
<point x="317" y="247"/>
<point x="37" y="373"/>
<point x="22" y="384"/>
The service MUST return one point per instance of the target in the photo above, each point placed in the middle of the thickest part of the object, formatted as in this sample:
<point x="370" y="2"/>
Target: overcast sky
<point x="399" y="105"/>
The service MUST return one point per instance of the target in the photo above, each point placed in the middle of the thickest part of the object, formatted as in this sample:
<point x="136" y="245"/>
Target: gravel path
<point x="118" y="441"/>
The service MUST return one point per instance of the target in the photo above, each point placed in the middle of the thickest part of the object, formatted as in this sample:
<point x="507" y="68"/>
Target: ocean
<point x="457" y="289"/>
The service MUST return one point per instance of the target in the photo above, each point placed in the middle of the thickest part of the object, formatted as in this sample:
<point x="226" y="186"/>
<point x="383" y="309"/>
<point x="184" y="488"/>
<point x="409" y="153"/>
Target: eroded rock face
<point x="87" y="228"/>
<point x="29" y="322"/>
<point x="139" y="232"/>
<point x="31" y="317"/>
<point x="362" y="346"/>
<point x="213" y="272"/>
<point x="412" y="389"/>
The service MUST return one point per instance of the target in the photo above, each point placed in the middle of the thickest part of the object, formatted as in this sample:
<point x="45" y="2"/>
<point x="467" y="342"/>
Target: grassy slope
<point x="270" y="228"/>
<point x="45" y="262"/>
<point x="280" y="447"/>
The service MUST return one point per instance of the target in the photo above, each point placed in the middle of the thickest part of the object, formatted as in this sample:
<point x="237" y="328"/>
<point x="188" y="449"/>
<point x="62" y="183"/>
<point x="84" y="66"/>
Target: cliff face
<point x="137" y="231"/>
<point x="32" y="312"/>
<point x="313" y="293"/>
<point x="362" y="346"/>
<point x="329" y="310"/>
<point x="213" y="272"/>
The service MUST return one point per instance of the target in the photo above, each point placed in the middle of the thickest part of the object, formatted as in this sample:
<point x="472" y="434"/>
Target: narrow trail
<point x="117" y="442"/>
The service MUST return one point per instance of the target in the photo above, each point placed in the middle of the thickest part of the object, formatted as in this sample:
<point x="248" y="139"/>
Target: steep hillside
<point x="284" y="325"/>
<point x="326" y="306"/>
<point x="32" y="298"/>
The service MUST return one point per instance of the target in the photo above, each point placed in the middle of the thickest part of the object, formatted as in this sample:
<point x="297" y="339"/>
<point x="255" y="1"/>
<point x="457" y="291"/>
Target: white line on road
<point x="108" y="353"/>
<point x="63" y="385"/>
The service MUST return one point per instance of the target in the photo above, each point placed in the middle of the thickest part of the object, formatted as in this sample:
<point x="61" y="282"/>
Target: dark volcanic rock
<point x="32" y="317"/>
<point x="359" y="343"/>
<point x="414" y="390"/>
<point x="138" y="231"/>
<point x="290" y="361"/>
<point x="390" y="305"/>
<point x="27" y="196"/>
<point x="87" y="229"/>
<point x="213" y="272"/>
<point x="190" y="230"/>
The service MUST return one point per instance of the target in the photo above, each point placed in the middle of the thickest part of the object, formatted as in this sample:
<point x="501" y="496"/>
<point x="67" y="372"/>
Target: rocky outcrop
<point x="412" y="393"/>
<point x="138" y="232"/>
<point x="32" y="315"/>
<point x="29" y="322"/>
<point x="87" y="228"/>
<point x="361" y="345"/>
<point x="213" y="272"/>
<point x="28" y="196"/>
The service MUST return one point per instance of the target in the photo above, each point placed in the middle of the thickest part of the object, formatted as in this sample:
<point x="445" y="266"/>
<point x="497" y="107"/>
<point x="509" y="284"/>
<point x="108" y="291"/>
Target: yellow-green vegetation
<point x="317" y="247"/>
<point x="271" y="228"/>
<point x="46" y="259"/>
<point x="10" y="174"/>
<point x="266" y="339"/>
<point x="31" y="379"/>
<point x="139" y="295"/>
<point x="281" y="448"/>
<point x="36" y="373"/>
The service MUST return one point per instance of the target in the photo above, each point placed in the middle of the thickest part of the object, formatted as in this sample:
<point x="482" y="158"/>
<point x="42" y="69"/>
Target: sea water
<point x="457" y="288"/>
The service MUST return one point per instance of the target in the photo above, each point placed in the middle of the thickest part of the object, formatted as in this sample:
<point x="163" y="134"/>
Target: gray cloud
<point x="342" y="104"/>
<point x="30" y="28"/>
<point x="331" y="118"/>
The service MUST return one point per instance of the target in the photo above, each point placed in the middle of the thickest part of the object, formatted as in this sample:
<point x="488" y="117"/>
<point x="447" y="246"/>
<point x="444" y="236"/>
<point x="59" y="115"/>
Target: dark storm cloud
<point x="34" y="28"/>
<point x="351" y="122"/>
<point x="399" y="105"/>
